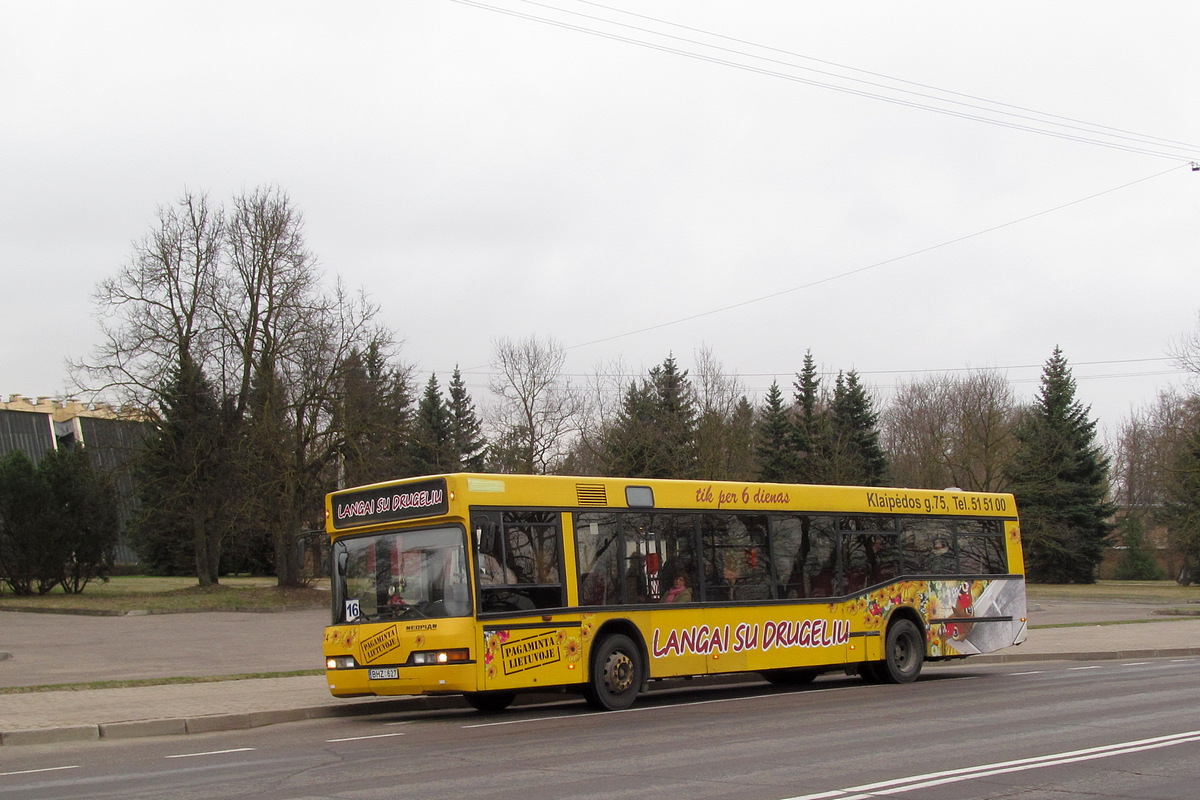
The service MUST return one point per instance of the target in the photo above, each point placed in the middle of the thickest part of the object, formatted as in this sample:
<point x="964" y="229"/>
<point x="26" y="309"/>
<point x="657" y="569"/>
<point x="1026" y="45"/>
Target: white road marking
<point x="914" y="782"/>
<point x="212" y="753"/>
<point x="360" y="738"/>
<point x="31" y="771"/>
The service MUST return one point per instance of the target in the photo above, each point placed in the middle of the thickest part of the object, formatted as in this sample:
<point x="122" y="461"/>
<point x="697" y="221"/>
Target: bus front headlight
<point x="440" y="656"/>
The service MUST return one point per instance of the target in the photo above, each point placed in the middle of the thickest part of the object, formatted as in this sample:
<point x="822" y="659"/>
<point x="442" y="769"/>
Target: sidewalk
<point x="51" y="648"/>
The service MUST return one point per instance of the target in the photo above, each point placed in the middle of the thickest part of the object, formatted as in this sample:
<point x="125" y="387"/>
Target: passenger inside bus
<point x="679" y="592"/>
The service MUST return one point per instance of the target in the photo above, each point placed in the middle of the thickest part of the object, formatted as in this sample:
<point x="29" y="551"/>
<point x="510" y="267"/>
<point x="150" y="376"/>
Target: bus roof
<point x="436" y="495"/>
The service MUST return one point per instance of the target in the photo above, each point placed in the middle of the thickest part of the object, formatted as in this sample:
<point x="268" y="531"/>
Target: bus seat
<point x="591" y="589"/>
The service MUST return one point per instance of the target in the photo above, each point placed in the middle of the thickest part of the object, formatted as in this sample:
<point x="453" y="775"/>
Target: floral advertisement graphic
<point x="964" y="617"/>
<point x="508" y="652"/>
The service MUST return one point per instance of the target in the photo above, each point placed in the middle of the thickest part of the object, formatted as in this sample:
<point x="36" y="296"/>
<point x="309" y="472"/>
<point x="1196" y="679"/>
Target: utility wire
<point x="1119" y="140"/>
<point x="834" y="64"/>
<point x="876" y="265"/>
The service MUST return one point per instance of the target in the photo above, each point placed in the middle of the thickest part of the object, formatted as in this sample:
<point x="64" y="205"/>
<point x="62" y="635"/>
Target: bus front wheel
<point x="617" y="674"/>
<point x="905" y="653"/>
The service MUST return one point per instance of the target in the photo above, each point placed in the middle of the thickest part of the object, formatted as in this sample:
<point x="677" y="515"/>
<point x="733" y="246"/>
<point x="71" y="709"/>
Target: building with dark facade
<point x="37" y="426"/>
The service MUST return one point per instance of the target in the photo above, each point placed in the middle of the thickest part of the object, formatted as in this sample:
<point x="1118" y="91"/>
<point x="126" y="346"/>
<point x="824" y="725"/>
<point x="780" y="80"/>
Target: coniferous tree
<point x="855" y="456"/>
<point x="655" y="431"/>
<point x="58" y="522"/>
<point x="777" y="462"/>
<point x="82" y="518"/>
<point x="432" y="440"/>
<point x="809" y="434"/>
<point x="180" y="477"/>
<point x="674" y="421"/>
<point x="1137" y="559"/>
<point x="1059" y="478"/>
<point x="628" y="447"/>
<point x="466" y="429"/>
<point x="1181" y="512"/>
<point x="375" y="417"/>
<point x="27" y="555"/>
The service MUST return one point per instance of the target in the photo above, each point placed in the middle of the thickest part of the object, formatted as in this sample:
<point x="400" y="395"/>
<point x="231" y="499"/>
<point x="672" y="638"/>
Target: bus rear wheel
<point x="617" y="674"/>
<point x="904" y="653"/>
<point x="490" y="702"/>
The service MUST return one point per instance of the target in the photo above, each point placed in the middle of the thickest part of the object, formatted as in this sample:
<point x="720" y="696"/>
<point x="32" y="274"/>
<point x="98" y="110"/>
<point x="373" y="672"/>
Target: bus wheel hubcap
<point x="618" y="672"/>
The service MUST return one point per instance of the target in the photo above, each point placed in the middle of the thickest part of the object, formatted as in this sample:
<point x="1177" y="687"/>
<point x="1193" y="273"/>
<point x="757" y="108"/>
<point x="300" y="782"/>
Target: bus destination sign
<point x="390" y="503"/>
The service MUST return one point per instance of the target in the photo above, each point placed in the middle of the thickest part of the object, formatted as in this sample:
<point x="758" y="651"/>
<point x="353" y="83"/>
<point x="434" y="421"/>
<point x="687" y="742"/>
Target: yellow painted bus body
<point x="551" y="648"/>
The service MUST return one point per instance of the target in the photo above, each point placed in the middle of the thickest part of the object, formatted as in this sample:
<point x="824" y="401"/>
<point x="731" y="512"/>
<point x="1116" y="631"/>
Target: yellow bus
<point x="490" y="585"/>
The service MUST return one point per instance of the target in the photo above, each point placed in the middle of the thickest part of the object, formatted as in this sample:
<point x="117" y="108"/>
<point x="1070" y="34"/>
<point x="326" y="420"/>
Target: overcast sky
<point x="678" y="183"/>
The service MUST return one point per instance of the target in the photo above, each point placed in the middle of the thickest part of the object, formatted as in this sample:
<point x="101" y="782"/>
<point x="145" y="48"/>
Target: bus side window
<point x="870" y="550"/>
<point x="597" y="542"/>
<point x="981" y="547"/>
<point x="926" y="545"/>
<point x="518" y="562"/>
<point x="820" y="565"/>
<point x="805" y="555"/>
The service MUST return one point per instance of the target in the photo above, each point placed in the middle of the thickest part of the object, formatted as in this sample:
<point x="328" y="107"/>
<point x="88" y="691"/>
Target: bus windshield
<point x="412" y="574"/>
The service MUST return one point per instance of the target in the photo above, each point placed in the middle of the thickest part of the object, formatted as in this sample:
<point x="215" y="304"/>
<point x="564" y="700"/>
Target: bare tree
<point x="600" y="408"/>
<point x="724" y="422"/>
<point x="157" y="313"/>
<point x="1185" y="352"/>
<point x="537" y="409"/>
<point x="286" y="341"/>
<point x="1148" y="446"/>
<point x="160" y="331"/>
<point x="950" y="431"/>
<point x="228" y="320"/>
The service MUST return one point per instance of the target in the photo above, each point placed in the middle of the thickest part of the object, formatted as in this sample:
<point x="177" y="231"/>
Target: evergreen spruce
<point x="82" y="517"/>
<point x="777" y="461"/>
<point x="27" y="555"/>
<point x="627" y="447"/>
<point x="1137" y="559"/>
<point x="674" y="421"/>
<point x="432" y="440"/>
<point x="855" y="456"/>
<point x="655" y="431"/>
<point x="182" y="477"/>
<point x="1181" y="513"/>
<point x="809" y="434"/>
<point x="1059" y="478"/>
<point x="466" y="430"/>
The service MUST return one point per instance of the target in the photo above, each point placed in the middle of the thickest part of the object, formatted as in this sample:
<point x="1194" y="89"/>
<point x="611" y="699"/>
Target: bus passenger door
<point x="528" y="638"/>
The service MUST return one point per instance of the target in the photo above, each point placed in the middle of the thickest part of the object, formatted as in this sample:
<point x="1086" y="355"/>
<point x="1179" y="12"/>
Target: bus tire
<point x="905" y="653"/>
<point x="490" y="702"/>
<point x="790" y="677"/>
<point x="617" y="674"/>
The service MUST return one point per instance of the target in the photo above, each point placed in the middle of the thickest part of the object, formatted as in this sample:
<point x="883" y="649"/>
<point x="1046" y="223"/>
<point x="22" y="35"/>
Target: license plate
<point x="386" y="674"/>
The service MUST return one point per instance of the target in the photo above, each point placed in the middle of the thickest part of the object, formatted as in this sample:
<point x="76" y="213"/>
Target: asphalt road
<point x="1062" y="730"/>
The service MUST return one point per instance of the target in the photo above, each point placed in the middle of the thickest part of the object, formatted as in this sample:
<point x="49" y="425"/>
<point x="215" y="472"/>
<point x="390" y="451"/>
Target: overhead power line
<point x="778" y="63"/>
<point x="876" y="265"/>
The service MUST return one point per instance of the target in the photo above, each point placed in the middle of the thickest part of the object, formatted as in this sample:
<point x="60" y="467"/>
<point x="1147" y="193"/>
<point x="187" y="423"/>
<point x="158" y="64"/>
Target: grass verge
<point x="158" y="595"/>
<point x="1164" y="592"/>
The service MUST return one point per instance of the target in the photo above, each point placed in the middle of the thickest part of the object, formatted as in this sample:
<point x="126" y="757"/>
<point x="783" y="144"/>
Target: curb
<point x="1098" y="655"/>
<point x="256" y="719"/>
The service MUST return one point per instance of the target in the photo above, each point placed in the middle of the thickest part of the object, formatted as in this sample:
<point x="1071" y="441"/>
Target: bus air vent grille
<point x="591" y="494"/>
